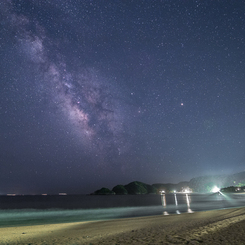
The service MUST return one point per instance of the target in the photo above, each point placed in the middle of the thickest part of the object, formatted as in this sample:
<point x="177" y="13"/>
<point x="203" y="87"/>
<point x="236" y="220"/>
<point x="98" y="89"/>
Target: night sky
<point x="105" y="92"/>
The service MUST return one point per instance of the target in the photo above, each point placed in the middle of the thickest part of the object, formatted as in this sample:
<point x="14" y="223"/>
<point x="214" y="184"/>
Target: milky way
<point x="90" y="103"/>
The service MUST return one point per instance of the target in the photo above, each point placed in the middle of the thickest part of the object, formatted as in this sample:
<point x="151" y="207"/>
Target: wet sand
<point x="210" y="227"/>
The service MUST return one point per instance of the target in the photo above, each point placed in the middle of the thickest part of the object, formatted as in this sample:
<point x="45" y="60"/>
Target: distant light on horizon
<point x="187" y="190"/>
<point x="215" y="189"/>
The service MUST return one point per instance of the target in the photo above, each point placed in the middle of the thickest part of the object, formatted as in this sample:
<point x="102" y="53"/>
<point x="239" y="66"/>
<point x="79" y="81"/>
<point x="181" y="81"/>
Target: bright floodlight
<point x="215" y="189"/>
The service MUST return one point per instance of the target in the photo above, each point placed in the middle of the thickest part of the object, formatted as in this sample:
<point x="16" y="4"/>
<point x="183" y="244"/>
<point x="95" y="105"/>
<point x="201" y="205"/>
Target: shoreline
<point x="225" y="226"/>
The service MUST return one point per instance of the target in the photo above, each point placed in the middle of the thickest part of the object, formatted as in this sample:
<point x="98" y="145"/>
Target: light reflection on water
<point x="164" y="203"/>
<point x="188" y="201"/>
<point x="176" y="203"/>
<point x="176" y="207"/>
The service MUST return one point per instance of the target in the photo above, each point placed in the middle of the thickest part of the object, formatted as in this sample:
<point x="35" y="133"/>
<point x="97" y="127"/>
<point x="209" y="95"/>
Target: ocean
<point x="34" y="210"/>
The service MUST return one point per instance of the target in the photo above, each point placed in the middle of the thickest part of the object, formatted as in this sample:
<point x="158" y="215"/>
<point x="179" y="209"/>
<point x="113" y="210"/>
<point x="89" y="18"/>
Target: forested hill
<point x="201" y="184"/>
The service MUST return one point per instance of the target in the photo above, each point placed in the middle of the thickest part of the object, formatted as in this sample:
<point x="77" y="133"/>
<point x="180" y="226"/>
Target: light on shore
<point x="215" y="189"/>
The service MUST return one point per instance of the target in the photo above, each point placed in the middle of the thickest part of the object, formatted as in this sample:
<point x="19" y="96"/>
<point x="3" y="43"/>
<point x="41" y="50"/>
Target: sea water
<point x="33" y="210"/>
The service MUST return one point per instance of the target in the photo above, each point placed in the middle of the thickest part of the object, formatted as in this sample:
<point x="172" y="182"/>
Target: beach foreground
<point x="210" y="227"/>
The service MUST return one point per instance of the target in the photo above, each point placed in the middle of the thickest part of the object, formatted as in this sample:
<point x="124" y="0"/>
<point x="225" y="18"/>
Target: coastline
<point x="225" y="226"/>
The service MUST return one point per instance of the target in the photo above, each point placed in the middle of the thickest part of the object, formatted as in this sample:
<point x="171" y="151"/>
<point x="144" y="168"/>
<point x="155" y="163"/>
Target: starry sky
<point x="105" y="92"/>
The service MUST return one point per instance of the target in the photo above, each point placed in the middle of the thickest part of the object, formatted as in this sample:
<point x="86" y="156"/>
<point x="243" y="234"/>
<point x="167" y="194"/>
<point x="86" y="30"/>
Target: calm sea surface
<point x="32" y="210"/>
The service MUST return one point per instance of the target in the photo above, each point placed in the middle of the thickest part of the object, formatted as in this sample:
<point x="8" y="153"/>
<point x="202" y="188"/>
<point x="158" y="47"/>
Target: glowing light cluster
<point x="215" y="189"/>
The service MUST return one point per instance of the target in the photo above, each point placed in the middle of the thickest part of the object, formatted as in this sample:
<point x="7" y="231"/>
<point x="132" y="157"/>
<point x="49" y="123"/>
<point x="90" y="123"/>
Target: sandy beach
<point x="210" y="227"/>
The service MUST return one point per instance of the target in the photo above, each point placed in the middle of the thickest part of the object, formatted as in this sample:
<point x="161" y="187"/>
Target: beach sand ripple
<point x="211" y="227"/>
